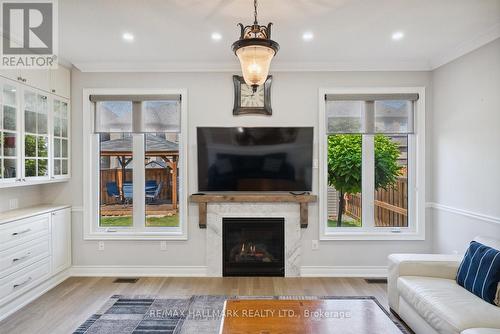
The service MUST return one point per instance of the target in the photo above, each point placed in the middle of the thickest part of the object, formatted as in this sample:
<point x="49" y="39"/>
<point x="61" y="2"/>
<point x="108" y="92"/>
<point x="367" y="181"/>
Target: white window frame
<point x="416" y="174"/>
<point x="90" y="164"/>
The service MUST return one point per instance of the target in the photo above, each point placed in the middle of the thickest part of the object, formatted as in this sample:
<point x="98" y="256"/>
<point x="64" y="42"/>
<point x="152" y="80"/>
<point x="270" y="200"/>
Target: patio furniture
<point x="153" y="197"/>
<point x="112" y="190"/>
<point x="128" y="192"/>
<point x="151" y="186"/>
<point x="151" y="183"/>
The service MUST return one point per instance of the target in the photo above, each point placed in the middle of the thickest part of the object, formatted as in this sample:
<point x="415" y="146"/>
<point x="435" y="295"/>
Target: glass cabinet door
<point x="61" y="138"/>
<point x="36" y="140"/>
<point x="9" y="140"/>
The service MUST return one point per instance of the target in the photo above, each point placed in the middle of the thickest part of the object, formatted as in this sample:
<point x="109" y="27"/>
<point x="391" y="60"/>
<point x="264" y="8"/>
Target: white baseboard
<point x="343" y="271"/>
<point x="140" y="271"/>
<point x="201" y="271"/>
<point x="30" y="295"/>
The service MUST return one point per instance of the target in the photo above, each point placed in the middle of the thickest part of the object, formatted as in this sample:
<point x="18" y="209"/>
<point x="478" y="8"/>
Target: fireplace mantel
<point x="204" y="199"/>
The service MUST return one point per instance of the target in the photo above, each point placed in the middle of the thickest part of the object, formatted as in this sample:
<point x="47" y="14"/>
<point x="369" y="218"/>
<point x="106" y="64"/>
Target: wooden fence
<point x="115" y="175"/>
<point x="391" y="205"/>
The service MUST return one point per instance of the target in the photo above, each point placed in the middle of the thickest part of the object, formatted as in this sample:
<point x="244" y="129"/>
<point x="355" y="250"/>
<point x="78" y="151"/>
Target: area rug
<point x="206" y="315"/>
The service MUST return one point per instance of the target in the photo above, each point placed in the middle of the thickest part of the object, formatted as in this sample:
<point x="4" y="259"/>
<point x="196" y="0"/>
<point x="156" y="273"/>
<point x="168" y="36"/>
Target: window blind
<point x="136" y="113"/>
<point x="370" y="113"/>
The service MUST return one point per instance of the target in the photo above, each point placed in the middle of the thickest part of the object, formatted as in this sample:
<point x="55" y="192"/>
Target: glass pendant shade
<point x="255" y="61"/>
<point x="255" y="49"/>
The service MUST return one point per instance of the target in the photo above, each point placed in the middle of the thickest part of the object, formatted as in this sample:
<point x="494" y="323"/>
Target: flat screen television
<point x="255" y="159"/>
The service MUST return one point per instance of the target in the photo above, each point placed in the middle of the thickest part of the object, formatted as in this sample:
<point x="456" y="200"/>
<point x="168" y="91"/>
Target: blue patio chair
<point x="151" y="186"/>
<point x="112" y="190"/>
<point x="155" y="196"/>
<point x="128" y="192"/>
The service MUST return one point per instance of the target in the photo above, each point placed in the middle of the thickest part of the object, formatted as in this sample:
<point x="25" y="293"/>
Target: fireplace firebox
<point x="253" y="247"/>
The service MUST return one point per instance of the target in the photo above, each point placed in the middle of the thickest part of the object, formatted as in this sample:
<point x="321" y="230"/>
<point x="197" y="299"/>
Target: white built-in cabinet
<point x="56" y="81"/>
<point x="34" y="126"/>
<point x="35" y="249"/>
<point x="61" y="239"/>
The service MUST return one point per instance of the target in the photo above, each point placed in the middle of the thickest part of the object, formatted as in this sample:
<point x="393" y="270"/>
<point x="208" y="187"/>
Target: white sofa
<point x="423" y="292"/>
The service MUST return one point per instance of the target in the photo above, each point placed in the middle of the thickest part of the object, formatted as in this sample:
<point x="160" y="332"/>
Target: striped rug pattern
<point x="177" y="314"/>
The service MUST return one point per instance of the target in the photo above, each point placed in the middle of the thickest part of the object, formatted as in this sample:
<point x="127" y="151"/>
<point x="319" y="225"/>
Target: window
<point x="370" y="152"/>
<point x="36" y="141"/>
<point x="137" y="170"/>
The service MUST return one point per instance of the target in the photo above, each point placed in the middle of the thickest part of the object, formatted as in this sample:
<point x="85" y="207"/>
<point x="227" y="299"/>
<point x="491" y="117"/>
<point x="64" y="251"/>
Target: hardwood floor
<point x="65" y="307"/>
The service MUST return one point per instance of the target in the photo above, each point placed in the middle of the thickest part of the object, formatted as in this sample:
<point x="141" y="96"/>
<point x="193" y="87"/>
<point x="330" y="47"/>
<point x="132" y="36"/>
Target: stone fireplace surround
<point x="288" y="211"/>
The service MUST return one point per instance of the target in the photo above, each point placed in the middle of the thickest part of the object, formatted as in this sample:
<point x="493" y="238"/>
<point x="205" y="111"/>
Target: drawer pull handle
<point x="15" y="286"/>
<point x="17" y="259"/>
<point x="22" y="232"/>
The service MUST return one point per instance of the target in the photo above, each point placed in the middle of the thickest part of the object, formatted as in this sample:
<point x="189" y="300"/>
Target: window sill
<point x="119" y="235"/>
<point x="371" y="236"/>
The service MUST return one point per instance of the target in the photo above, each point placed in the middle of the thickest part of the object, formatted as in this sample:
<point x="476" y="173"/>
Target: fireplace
<point x="253" y="246"/>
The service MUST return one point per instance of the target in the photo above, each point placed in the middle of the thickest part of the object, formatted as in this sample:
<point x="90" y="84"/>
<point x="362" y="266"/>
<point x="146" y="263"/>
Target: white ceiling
<point x="174" y="35"/>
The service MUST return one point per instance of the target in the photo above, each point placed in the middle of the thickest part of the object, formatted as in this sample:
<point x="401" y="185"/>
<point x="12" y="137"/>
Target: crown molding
<point x="465" y="47"/>
<point x="277" y="66"/>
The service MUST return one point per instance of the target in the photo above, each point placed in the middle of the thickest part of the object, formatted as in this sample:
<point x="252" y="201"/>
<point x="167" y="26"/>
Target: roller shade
<point x="371" y="97"/>
<point x="135" y="98"/>
<point x="136" y="113"/>
<point x="370" y="113"/>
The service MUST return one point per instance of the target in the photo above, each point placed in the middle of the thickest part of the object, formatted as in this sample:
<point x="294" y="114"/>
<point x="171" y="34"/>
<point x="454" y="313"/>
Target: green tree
<point x="33" y="149"/>
<point x="344" y="165"/>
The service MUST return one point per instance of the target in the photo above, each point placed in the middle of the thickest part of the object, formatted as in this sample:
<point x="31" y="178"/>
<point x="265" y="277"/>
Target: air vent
<point x="376" y="280"/>
<point x="125" y="280"/>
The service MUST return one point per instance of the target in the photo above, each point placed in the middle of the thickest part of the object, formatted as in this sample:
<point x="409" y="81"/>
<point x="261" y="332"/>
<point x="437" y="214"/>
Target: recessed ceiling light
<point x="398" y="35"/>
<point x="128" y="37"/>
<point x="307" y="36"/>
<point x="216" y="36"/>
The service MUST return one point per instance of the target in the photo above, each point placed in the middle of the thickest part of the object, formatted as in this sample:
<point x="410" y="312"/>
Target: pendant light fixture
<point x="255" y="50"/>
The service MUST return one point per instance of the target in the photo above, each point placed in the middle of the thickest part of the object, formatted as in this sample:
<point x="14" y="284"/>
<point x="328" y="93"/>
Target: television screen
<point x="255" y="159"/>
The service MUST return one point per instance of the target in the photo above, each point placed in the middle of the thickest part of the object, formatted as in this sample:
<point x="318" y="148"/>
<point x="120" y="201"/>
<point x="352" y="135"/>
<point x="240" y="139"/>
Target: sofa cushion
<point x="493" y="243"/>
<point x="487" y="241"/>
<point x="481" y="331"/>
<point x="446" y="306"/>
<point x="479" y="271"/>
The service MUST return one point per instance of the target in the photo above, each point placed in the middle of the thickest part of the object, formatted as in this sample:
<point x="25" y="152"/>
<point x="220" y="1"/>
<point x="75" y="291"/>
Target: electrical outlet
<point x="13" y="203"/>
<point x="163" y="245"/>
<point x="101" y="245"/>
<point x="315" y="163"/>
<point x="315" y="245"/>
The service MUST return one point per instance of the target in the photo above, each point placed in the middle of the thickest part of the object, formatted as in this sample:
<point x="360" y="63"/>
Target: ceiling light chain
<point x="255" y="12"/>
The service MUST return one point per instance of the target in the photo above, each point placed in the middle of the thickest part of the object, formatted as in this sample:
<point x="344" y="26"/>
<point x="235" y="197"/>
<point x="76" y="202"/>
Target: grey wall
<point x="463" y="157"/>
<point x="466" y="148"/>
<point x="210" y="99"/>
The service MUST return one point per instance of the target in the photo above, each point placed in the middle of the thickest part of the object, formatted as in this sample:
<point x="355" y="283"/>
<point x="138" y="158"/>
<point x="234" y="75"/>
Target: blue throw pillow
<point x="479" y="271"/>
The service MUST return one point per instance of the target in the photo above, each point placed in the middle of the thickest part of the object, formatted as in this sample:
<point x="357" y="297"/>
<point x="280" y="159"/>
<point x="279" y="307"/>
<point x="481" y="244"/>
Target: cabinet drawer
<point x="18" y="232"/>
<point x="14" y="259"/>
<point x="22" y="280"/>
